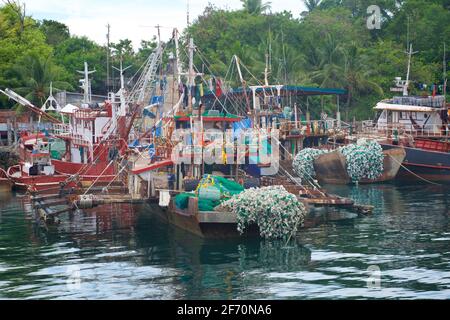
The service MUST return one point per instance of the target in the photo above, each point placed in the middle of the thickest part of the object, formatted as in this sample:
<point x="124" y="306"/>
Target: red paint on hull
<point x="98" y="172"/>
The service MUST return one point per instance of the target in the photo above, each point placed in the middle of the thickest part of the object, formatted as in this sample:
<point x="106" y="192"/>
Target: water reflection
<point x="124" y="252"/>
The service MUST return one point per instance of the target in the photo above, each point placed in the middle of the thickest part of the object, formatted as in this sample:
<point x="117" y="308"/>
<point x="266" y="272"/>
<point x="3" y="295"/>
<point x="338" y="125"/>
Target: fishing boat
<point x="5" y="182"/>
<point x="169" y="174"/>
<point x="331" y="168"/>
<point x="418" y="124"/>
<point x="35" y="169"/>
<point x="93" y="136"/>
<point x="164" y="166"/>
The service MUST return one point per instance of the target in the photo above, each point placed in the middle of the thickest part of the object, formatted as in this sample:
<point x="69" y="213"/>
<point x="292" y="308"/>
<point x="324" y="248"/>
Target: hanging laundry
<point x="210" y="85"/>
<point x="181" y="88"/>
<point x="151" y="151"/>
<point x="197" y="96"/>
<point x="218" y="87"/>
<point x="186" y="95"/>
<point x="164" y="198"/>
<point x="197" y="92"/>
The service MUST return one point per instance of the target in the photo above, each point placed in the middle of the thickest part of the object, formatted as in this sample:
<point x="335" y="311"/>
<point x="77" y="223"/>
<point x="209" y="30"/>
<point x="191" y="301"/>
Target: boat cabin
<point x="416" y="115"/>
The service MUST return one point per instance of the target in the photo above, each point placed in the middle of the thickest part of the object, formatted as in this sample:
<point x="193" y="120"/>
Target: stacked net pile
<point x="274" y="210"/>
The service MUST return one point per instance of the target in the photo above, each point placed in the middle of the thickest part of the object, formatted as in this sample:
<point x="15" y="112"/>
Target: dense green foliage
<point x="328" y="45"/>
<point x="35" y="53"/>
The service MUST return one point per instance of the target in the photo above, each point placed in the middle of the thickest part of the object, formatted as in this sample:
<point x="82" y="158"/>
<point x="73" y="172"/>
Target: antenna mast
<point x="158" y="27"/>
<point x="177" y="49"/>
<point x="410" y="54"/>
<point x="191" y="76"/>
<point x="122" y="71"/>
<point x="86" y="84"/>
<point x="108" y="57"/>
<point x="188" y="18"/>
<point x="445" y="75"/>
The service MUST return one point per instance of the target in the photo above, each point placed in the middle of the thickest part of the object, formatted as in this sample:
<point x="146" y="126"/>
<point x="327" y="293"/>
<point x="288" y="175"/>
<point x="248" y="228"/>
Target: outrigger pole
<point x="24" y="102"/>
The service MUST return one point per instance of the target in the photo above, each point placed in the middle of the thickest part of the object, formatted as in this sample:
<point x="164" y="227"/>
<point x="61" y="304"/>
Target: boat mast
<point x="122" y="72"/>
<point x="108" y="56"/>
<point x="410" y="54"/>
<point x="445" y="88"/>
<point x="266" y="71"/>
<point x="191" y="72"/>
<point x="445" y="75"/>
<point x="177" y="52"/>
<point x="244" y="83"/>
<point x="86" y="84"/>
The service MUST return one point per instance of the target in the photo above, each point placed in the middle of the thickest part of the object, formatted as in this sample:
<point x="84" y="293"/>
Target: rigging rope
<point x="416" y="175"/>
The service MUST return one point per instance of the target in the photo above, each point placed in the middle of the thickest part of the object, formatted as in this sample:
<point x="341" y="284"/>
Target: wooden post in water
<point x="9" y="130"/>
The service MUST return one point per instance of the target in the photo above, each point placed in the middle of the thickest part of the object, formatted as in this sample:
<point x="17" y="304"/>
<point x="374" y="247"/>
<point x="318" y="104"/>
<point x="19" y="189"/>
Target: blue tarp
<point x="157" y="100"/>
<point x="157" y="131"/>
<point x="238" y="127"/>
<point x="135" y="144"/>
<point x="148" y="113"/>
<point x="151" y="151"/>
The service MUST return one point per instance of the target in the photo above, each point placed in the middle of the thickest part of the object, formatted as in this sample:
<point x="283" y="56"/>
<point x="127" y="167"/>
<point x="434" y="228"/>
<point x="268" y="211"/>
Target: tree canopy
<point x="327" y="45"/>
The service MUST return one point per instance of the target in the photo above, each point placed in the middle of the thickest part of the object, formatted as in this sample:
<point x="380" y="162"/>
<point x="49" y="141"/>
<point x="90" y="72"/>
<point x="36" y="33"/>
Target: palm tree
<point x="312" y="4"/>
<point x="255" y="6"/>
<point x="357" y="75"/>
<point x="329" y="72"/>
<point x="36" y="74"/>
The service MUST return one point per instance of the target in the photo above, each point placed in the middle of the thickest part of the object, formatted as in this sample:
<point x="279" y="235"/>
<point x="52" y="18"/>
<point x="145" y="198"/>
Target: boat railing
<point x="318" y="126"/>
<point x="61" y="129"/>
<point x="65" y="131"/>
<point x="12" y="171"/>
<point x="430" y="130"/>
<point x="79" y="139"/>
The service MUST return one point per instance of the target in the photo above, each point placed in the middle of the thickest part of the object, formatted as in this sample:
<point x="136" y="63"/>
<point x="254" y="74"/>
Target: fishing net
<point x="303" y="164"/>
<point x="58" y="148"/>
<point x="364" y="159"/>
<point x="182" y="200"/>
<point x="211" y="191"/>
<point x="277" y="212"/>
<point x="214" y="184"/>
<point x="207" y="205"/>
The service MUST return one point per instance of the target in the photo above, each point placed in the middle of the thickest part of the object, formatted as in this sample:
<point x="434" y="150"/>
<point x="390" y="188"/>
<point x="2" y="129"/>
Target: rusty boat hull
<point x="331" y="167"/>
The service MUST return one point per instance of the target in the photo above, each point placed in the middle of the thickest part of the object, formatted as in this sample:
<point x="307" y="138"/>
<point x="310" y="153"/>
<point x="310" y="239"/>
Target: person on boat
<point x="395" y="137"/>
<point x="66" y="156"/>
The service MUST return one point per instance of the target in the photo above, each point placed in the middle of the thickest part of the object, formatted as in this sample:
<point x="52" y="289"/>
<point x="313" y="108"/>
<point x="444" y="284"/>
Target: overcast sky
<point x="133" y="19"/>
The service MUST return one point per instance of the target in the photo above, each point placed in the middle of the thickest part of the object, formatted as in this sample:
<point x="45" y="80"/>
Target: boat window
<point x="404" y="115"/>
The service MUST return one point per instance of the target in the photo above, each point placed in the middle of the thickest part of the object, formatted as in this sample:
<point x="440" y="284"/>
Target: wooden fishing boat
<point x="418" y="124"/>
<point x="35" y="169"/>
<point x="426" y="160"/>
<point x="5" y="182"/>
<point x="93" y="136"/>
<point x="23" y="181"/>
<point x="220" y="224"/>
<point x="331" y="167"/>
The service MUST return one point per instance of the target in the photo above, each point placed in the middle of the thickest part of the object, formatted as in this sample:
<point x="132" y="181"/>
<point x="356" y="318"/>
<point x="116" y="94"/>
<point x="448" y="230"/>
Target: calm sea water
<point x="120" y="252"/>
